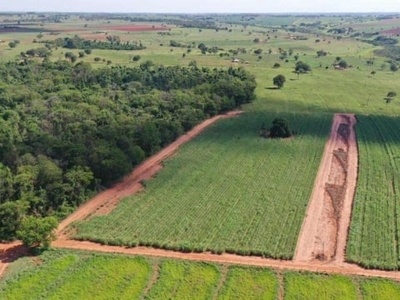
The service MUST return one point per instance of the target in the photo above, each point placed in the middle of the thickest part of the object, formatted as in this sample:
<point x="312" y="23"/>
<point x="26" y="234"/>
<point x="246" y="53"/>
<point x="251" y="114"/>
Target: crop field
<point x="229" y="190"/>
<point x="318" y="287"/>
<point x="374" y="234"/>
<point x="66" y="274"/>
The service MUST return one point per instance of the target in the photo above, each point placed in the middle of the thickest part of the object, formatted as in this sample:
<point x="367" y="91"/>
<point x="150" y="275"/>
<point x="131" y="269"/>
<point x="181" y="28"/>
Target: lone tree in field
<point x="279" y="81"/>
<point x="302" y="67"/>
<point x="389" y="97"/>
<point x="393" y="67"/>
<point x="280" y="129"/>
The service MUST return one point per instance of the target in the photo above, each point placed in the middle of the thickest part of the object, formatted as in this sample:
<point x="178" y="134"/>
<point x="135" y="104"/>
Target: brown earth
<point x="345" y="164"/>
<point x="323" y="234"/>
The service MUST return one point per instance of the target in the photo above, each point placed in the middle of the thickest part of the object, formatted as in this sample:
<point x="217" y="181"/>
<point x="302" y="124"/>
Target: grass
<point x="228" y="190"/>
<point x="374" y="232"/>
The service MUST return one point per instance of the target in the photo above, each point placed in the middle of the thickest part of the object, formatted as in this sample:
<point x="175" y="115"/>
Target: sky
<point x="201" y="6"/>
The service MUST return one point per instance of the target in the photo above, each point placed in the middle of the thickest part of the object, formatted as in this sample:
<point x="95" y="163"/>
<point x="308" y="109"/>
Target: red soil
<point x="324" y="232"/>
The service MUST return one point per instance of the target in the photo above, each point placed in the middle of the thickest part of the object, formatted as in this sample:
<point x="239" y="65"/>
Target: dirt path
<point x="105" y="201"/>
<point x="323" y="234"/>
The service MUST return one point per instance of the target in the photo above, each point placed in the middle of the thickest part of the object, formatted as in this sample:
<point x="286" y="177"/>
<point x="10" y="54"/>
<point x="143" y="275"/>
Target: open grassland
<point x="66" y="274"/>
<point x="374" y="234"/>
<point x="229" y="190"/>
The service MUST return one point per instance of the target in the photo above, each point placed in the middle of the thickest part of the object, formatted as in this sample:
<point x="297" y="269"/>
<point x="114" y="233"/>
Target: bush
<point x="280" y="129"/>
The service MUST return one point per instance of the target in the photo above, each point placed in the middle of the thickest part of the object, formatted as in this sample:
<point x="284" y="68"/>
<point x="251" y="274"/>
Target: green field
<point x="227" y="190"/>
<point x="374" y="233"/>
<point x="67" y="274"/>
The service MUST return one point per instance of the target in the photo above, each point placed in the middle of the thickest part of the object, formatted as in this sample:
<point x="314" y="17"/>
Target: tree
<point x="35" y="232"/>
<point x="279" y="81"/>
<point x="343" y="64"/>
<point x="393" y="67"/>
<point x="136" y="58"/>
<point x="11" y="214"/>
<point x="280" y="129"/>
<point x="302" y="67"/>
<point x="12" y="44"/>
<point x="389" y="97"/>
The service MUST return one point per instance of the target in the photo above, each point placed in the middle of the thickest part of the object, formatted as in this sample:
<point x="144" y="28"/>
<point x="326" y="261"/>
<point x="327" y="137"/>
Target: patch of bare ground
<point x="324" y="232"/>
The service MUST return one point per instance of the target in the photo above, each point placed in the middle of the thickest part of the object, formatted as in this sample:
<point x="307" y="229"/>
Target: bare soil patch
<point x="324" y="232"/>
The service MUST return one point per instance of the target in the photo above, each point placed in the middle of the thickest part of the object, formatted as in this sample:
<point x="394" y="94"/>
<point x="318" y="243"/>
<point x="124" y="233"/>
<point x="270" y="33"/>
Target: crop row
<point x="228" y="190"/>
<point x="374" y="232"/>
<point x="82" y="275"/>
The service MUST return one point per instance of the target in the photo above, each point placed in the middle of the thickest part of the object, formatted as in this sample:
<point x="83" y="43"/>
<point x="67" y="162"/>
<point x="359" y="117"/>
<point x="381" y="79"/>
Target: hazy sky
<point x="201" y="6"/>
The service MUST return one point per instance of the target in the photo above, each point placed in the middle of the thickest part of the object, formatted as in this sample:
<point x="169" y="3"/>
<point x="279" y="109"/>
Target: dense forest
<point x="67" y="131"/>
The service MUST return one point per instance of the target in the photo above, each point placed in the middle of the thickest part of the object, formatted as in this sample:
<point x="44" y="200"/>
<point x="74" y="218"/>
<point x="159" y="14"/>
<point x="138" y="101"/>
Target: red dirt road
<point x="324" y="232"/>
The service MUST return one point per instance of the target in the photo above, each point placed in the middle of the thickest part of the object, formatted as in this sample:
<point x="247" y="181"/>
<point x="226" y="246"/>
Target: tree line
<point x="67" y="131"/>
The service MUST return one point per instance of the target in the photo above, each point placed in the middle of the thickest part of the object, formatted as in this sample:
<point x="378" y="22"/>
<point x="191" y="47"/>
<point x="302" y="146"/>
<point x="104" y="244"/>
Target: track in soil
<point x="333" y="159"/>
<point x="324" y="231"/>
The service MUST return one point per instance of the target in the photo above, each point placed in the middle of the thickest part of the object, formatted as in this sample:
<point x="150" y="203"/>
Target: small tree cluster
<point x="280" y="129"/>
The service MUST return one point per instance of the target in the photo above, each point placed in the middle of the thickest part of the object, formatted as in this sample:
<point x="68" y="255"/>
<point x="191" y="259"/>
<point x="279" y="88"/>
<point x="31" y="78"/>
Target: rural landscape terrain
<point x="210" y="156"/>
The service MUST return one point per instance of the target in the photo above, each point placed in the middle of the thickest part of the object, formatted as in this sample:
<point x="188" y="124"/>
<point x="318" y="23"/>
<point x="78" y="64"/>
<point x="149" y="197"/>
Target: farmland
<point x="227" y="190"/>
<point x="374" y="234"/>
<point x="66" y="274"/>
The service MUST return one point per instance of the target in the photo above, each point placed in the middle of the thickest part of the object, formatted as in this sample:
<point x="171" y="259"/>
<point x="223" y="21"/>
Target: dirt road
<point x="324" y="232"/>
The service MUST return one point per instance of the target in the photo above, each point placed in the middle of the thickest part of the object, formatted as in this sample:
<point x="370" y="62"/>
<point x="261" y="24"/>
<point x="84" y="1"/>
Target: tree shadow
<point x="11" y="254"/>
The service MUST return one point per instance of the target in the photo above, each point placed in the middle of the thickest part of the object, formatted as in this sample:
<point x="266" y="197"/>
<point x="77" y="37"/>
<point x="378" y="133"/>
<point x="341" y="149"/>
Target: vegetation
<point x="61" y="125"/>
<point x="67" y="274"/>
<point x="279" y="81"/>
<point x="179" y="210"/>
<point x="319" y="287"/>
<point x="280" y="129"/>
<point x="249" y="283"/>
<point x="373" y="239"/>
